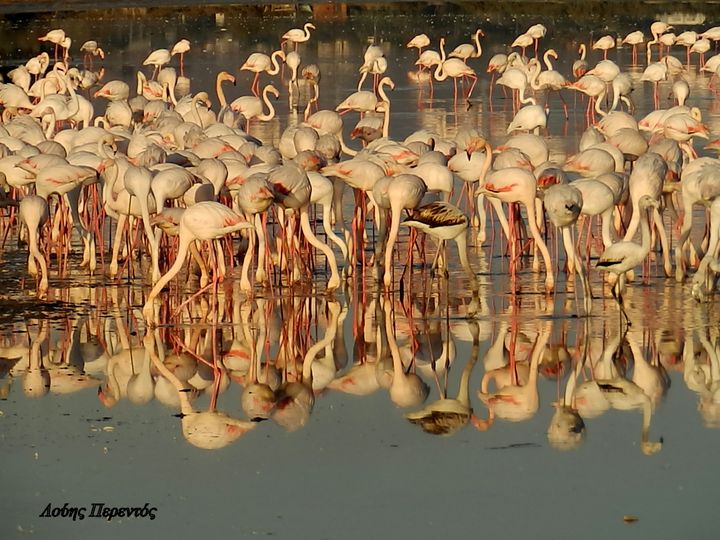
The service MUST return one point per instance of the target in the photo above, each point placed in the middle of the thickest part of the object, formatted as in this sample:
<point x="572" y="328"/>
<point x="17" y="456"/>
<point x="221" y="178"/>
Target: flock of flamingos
<point x="163" y="164"/>
<point x="182" y="181"/>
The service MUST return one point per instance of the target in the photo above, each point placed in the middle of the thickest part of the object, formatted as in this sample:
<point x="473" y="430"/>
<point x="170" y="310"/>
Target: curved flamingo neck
<point x="195" y="111"/>
<point x="386" y="120"/>
<point x="170" y="93"/>
<point x="219" y="90"/>
<point x="381" y="92"/>
<point x="276" y="66"/>
<point x="598" y="103"/>
<point x="440" y="74"/>
<point x="535" y="73"/>
<point x="478" y="47"/>
<point x="546" y="59"/>
<point x="271" y="109"/>
<point x="583" y="51"/>
<point x="140" y="83"/>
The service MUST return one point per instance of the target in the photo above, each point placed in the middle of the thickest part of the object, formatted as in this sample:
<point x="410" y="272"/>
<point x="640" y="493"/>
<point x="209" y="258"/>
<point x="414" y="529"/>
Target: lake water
<point x="89" y="416"/>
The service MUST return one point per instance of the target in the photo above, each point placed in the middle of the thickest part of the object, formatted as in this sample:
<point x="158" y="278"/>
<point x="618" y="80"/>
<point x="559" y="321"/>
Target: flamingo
<point x="536" y="31"/>
<point x="91" y="49"/>
<point x="563" y="204"/>
<point x="157" y="58"/>
<point x="297" y="35"/>
<point x="455" y="68"/>
<point x="375" y="63"/>
<point x="426" y="61"/>
<point x="418" y="42"/>
<point x="655" y="73"/>
<point x="513" y="185"/>
<point x="34" y="214"/>
<point x="550" y="79"/>
<point x="580" y="66"/>
<point x="258" y="62"/>
<point x="668" y="40"/>
<point x="687" y="39"/>
<point x="404" y="191"/>
<point x="681" y="91"/>
<point x="252" y="107"/>
<point x="468" y="50"/>
<point x="56" y="36"/>
<point x="594" y="88"/>
<point x="292" y="60"/>
<point x="529" y="118"/>
<point x="622" y="86"/>
<point x="181" y="47"/>
<point x="694" y="175"/>
<point x="634" y="39"/>
<point x="498" y="63"/>
<point x="657" y="29"/>
<point x="443" y="221"/>
<point x="604" y="44"/>
<point x="207" y="220"/>
<point x="623" y="256"/>
<point x="523" y="41"/>
<point x="701" y="46"/>
<point x="517" y="80"/>
<point x="366" y="101"/>
<point x="292" y="190"/>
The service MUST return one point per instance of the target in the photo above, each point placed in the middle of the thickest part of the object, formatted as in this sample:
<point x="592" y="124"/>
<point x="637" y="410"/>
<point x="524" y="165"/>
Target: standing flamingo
<point x="157" y="59"/>
<point x="292" y="190"/>
<point x="623" y="256"/>
<point x="455" y="68"/>
<point x="258" y="62"/>
<point x="536" y="31"/>
<point x="514" y="185"/>
<point x="580" y="66"/>
<point x="297" y="35"/>
<point x="181" y="47"/>
<point x="252" y="107"/>
<point x="207" y="220"/>
<point x="34" y="214"/>
<point x="604" y="44"/>
<point x="634" y="39"/>
<point x="404" y="191"/>
<point x="563" y="204"/>
<point x="418" y="42"/>
<point x="444" y="221"/>
<point x="468" y="50"/>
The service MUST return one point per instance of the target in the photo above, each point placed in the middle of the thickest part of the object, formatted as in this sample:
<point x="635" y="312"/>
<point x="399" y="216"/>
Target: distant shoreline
<point x="578" y="7"/>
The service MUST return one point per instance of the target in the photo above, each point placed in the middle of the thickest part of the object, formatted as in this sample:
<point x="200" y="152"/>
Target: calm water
<point x="95" y="409"/>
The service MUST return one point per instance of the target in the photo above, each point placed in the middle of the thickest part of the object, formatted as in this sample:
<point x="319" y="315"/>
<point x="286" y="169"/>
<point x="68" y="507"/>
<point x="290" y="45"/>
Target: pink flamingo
<point x="455" y="68"/>
<point x="292" y="190"/>
<point x="404" y="191"/>
<point x="514" y="185"/>
<point x="297" y="35"/>
<point x="207" y="220"/>
<point x="34" y="213"/>
<point x="258" y="62"/>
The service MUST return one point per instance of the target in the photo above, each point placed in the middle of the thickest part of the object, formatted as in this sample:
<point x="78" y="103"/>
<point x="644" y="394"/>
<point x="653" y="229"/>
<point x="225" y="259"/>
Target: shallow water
<point x="89" y="414"/>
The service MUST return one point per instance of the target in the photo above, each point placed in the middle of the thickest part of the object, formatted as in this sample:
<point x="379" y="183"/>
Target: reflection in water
<point x="282" y="354"/>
